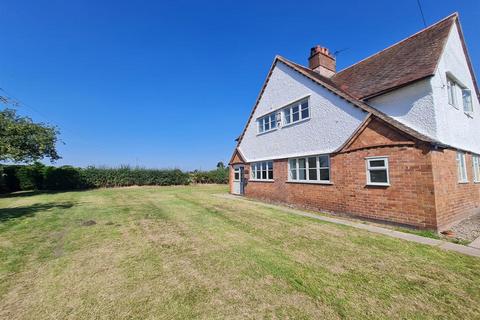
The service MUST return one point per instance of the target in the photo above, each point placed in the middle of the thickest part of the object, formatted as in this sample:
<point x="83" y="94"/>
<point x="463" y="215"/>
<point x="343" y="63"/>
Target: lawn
<point x="182" y="252"/>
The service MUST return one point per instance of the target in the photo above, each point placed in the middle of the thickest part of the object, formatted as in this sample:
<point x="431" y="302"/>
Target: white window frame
<point x="467" y="102"/>
<point x="267" y="119"/>
<point x="307" y="170"/>
<point x="452" y="86"/>
<point x="459" y="95"/>
<point x="261" y="167"/>
<point x="236" y="170"/>
<point x="476" y="168"/>
<point x="462" y="167"/>
<point x="384" y="168"/>
<point x="287" y="112"/>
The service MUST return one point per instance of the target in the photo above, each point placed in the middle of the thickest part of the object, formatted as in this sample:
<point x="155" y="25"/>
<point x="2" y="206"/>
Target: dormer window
<point x="296" y="112"/>
<point x="459" y="95"/>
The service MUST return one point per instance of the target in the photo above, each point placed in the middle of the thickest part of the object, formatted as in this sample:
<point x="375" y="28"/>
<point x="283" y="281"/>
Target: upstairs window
<point x="476" y="168"/>
<point x="262" y="170"/>
<point x="267" y="123"/>
<point x="377" y="171"/>
<point x="452" y="88"/>
<point x="310" y="169"/>
<point x="467" y="101"/>
<point x="461" y="167"/>
<point x="459" y="95"/>
<point x="296" y="112"/>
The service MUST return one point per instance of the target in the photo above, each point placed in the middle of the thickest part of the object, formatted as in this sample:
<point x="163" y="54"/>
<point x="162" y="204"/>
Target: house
<point x="394" y="137"/>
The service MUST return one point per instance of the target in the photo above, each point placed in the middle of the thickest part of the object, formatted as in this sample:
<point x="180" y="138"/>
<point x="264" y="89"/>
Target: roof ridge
<point x="453" y="15"/>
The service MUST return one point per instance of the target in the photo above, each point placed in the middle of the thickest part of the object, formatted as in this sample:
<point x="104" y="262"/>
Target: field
<point x="183" y="252"/>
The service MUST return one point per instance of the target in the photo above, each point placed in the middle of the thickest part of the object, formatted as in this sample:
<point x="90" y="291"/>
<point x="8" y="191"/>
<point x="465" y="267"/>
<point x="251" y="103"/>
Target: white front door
<point x="238" y="179"/>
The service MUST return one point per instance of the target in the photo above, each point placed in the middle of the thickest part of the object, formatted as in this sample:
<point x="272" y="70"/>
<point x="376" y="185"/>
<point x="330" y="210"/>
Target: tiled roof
<point x="333" y="87"/>
<point x="407" y="61"/>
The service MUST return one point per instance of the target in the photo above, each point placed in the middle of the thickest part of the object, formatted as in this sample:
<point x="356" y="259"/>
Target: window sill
<point x="469" y="114"/>
<point x="311" y="182"/>
<point x="377" y="185"/>
<point x="463" y="182"/>
<point x="296" y="122"/>
<point x="257" y="180"/>
<point x="265" y="132"/>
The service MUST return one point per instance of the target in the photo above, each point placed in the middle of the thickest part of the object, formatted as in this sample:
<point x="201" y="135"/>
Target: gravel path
<point x="468" y="229"/>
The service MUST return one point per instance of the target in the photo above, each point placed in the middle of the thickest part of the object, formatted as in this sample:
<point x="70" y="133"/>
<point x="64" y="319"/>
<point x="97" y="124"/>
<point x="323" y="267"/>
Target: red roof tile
<point x="407" y="61"/>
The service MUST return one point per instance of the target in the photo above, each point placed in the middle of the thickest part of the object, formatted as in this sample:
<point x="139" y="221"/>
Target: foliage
<point x="31" y="177"/>
<point x="40" y="177"/>
<point x="126" y="176"/>
<point x="220" y="176"/>
<point x="22" y="140"/>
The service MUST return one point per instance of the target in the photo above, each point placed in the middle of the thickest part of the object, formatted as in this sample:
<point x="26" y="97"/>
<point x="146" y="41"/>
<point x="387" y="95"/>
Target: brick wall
<point x="454" y="200"/>
<point x="424" y="191"/>
<point x="409" y="200"/>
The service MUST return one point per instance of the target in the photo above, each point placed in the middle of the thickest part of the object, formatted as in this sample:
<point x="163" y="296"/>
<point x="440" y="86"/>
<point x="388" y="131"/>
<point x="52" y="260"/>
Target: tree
<point x="220" y="165"/>
<point x="22" y="140"/>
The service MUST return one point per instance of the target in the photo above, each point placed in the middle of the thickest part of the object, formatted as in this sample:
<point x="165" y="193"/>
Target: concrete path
<point x="468" y="250"/>
<point x="475" y="243"/>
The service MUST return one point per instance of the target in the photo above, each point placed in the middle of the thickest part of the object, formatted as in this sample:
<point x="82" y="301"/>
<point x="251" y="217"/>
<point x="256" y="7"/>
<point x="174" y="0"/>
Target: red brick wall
<point x="409" y="200"/>
<point x="454" y="200"/>
<point x="424" y="191"/>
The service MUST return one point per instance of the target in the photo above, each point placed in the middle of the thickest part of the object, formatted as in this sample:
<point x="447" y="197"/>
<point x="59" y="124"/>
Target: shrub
<point x="63" y="178"/>
<point x="31" y="177"/>
<point x="126" y="176"/>
<point x="220" y="176"/>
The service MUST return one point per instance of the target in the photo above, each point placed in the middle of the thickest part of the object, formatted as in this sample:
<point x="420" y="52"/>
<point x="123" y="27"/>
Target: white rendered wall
<point x="332" y="119"/>
<point x="455" y="128"/>
<point x="411" y="105"/>
<point x="424" y="106"/>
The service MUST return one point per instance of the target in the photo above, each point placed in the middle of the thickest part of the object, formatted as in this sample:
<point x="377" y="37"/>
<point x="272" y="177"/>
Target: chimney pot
<point x="322" y="61"/>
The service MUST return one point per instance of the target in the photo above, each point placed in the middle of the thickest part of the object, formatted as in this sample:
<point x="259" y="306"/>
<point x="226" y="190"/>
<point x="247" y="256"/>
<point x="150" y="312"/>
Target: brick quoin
<point x="424" y="191"/>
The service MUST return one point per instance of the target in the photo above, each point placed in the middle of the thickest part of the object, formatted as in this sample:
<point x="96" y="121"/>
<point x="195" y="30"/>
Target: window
<point x="296" y="112"/>
<point x="310" y="169"/>
<point x="236" y="174"/>
<point x="262" y="170"/>
<point x="476" y="168"/>
<point x="377" y="171"/>
<point x="467" y="101"/>
<point x="267" y="123"/>
<point x="452" y="91"/>
<point x="461" y="167"/>
<point x="455" y="89"/>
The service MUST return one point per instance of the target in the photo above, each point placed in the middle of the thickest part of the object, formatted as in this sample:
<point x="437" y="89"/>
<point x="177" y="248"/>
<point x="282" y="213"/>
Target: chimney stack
<point x="322" y="61"/>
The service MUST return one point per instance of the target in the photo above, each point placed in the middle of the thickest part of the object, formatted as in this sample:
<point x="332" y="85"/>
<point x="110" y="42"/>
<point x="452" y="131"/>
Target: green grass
<point x="182" y="252"/>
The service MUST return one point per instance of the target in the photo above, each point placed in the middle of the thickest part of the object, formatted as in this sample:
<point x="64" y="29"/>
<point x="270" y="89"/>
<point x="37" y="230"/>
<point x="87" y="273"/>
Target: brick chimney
<point x="322" y="61"/>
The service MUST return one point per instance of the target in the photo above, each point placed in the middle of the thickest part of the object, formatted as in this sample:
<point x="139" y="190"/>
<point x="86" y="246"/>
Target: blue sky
<point x="171" y="84"/>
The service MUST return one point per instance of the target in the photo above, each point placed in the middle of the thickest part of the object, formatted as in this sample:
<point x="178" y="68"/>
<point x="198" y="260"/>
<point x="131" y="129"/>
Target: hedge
<point x="40" y="177"/>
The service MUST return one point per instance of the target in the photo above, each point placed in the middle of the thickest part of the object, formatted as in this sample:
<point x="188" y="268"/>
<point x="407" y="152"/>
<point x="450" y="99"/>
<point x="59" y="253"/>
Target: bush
<point x="63" y="178"/>
<point x="126" y="176"/>
<point x="41" y="177"/>
<point x="31" y="177"/>
<point x="220" y="176"/>
<point x="10" y="182"/>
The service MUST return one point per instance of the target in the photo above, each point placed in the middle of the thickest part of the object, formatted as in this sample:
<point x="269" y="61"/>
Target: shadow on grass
<point x="30" y="193"/>
<point x="7" y="214"/>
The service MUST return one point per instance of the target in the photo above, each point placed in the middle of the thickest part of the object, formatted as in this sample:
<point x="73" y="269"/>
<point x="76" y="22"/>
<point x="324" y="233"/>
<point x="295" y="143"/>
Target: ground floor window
<point x="262" y="170"/>
<point x="461" y="167"/>
<point x="309" y="169"/>
<point x="377" y="171"/>
<point x="476" y="168"/>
